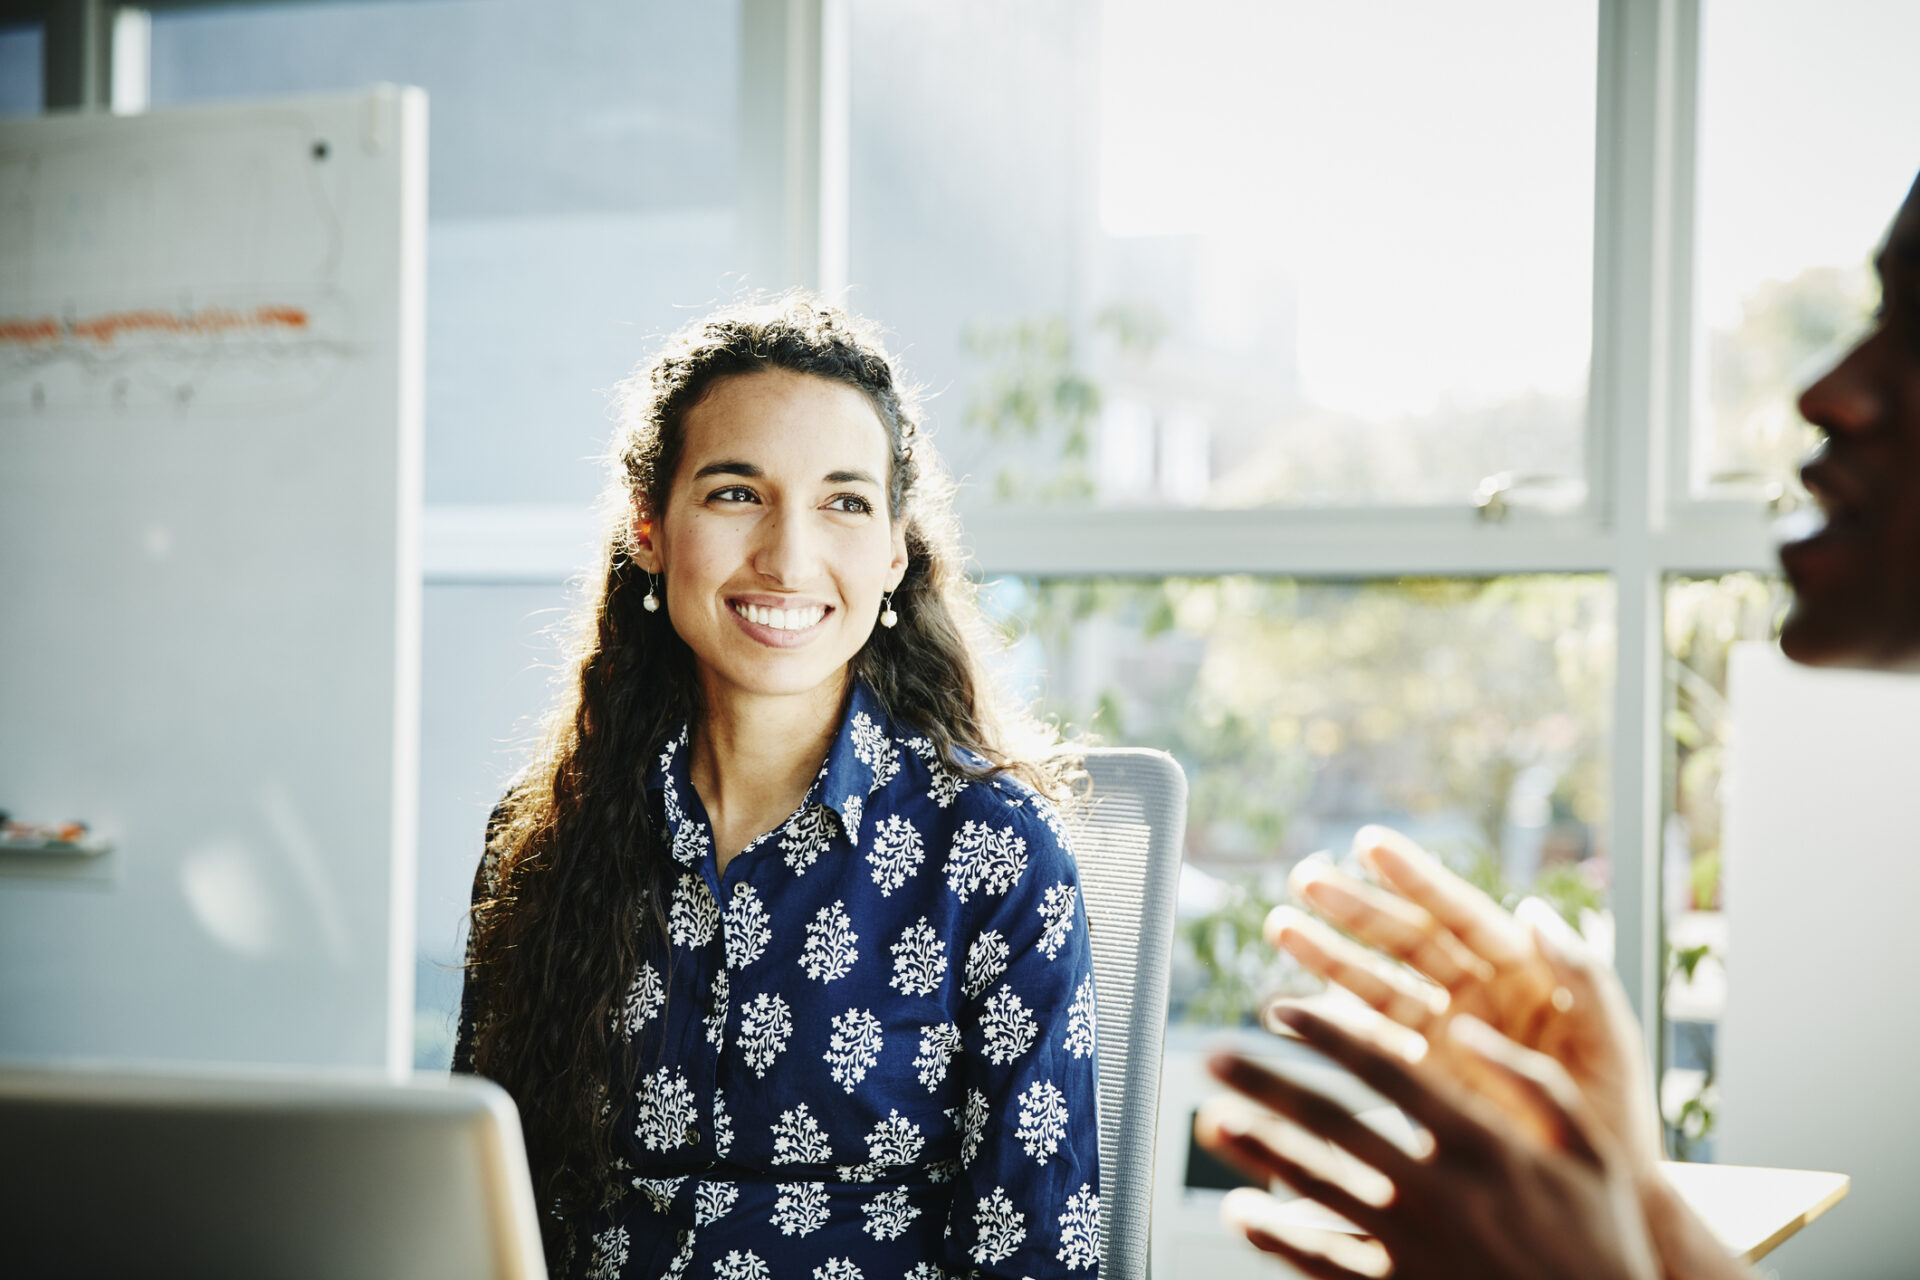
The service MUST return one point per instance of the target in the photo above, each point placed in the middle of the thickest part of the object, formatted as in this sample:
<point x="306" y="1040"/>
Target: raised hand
<point x="1551" y="1198"/>
<point x="1529" y="978"/>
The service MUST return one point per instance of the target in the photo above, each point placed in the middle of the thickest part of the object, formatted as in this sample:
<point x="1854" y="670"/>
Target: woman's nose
<point x="785" y="553"/>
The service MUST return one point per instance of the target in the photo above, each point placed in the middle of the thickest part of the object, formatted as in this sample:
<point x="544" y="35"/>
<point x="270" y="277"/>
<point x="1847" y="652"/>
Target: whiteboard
<point x="210" y="426"/>
<point x="1815" y="1054"/>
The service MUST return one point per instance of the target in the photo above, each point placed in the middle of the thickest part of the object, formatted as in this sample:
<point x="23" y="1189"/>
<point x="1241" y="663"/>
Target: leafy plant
<point x="1691" y="1123"/>
<point x="1036" y="394"/>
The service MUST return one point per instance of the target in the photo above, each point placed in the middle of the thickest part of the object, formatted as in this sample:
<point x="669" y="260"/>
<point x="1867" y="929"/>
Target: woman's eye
<point x="733" y="493"/>
<point x="852" y="503"/>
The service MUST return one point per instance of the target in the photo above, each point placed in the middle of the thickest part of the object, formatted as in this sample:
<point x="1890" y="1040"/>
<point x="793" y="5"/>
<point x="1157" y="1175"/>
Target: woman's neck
<point x="753" y="758"/>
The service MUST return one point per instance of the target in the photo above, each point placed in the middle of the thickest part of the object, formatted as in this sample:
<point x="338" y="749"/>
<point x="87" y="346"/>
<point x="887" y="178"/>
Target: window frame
<point x="1640" y="523"/>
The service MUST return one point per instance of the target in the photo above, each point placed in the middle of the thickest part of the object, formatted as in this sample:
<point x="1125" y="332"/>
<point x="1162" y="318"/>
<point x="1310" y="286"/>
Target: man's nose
<point x="1845" y="400"/>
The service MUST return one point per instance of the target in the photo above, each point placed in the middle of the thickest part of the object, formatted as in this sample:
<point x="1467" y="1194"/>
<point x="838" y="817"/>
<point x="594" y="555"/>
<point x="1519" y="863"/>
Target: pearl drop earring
<point x="888" y="617"/>
<point x="652" y="602"/>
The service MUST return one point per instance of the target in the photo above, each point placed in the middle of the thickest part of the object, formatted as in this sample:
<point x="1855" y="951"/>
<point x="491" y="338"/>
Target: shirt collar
<point x="689" y="838"/>
<point x="863" y="758"/>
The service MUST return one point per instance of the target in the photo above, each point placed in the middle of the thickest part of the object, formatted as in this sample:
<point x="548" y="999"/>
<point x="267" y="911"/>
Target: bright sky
<point x="1428" y="192"/>
<point x="1423" y="172"/>
<point x="1810" y="137"/>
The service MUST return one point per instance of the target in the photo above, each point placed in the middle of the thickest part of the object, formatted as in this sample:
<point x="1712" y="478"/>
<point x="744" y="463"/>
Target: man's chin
<point x="1816" y="636"/>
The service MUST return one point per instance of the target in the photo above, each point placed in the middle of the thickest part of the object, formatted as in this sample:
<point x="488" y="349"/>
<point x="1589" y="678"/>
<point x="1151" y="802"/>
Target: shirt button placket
<point x="717" y="1008"/>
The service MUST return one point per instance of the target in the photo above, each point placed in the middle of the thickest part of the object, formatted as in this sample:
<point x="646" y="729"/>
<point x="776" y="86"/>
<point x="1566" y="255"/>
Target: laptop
<point x="261" y="1174"/>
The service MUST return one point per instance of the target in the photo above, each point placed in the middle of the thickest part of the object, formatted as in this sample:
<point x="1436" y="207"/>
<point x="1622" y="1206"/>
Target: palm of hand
<point x="1484" y="1200"/>
<point x="1538" y="987"/>
<point x="1525" y="1002"/>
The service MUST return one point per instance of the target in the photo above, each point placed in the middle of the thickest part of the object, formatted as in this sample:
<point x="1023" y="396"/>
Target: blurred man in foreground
<point x="1499" y="1034"/>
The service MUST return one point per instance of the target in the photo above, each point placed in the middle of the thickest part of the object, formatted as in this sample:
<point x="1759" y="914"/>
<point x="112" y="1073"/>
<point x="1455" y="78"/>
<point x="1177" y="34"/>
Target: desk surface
<point x="1752" y="1210"/>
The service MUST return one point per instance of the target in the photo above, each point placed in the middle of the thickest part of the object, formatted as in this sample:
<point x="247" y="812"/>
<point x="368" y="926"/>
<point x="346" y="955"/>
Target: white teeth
<point x="782" y="619"/>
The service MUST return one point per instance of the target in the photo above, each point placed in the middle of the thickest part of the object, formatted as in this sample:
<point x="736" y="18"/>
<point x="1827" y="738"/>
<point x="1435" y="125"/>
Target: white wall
<point x="1823" y="901"/>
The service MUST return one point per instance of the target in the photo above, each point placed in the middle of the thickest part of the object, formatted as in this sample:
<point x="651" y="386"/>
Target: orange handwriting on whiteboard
<point x="104" y="329"/>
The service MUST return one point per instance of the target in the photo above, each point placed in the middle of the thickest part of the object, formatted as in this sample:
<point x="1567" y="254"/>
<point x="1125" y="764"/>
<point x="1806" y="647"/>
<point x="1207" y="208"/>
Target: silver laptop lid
<point x="259" y="1175"/>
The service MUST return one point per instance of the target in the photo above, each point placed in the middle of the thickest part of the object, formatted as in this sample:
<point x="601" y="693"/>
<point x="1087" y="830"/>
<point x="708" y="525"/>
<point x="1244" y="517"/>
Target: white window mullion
<point x="1648" y="73"/>
<point x="1679" y="164"/>
<point x="793" y="143"/>
<point x="1307" y="543"/>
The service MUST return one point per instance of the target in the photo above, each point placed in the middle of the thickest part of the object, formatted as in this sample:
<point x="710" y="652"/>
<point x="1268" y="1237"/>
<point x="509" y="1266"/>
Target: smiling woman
<point x="778" y="944"/>
<point x="776" y="543"/>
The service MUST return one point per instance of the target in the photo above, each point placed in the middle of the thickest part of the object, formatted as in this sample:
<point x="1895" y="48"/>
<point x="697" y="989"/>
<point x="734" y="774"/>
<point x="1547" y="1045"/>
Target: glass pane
<point x="1233" y="253"/>
<point x="1705" y="618"/>
<point x="582" y="195"/>
<point x="21" y="71"/>
<point x="1470" y="714"/>
<point x="1799" y="174"/>
<point x="489" y="655"/>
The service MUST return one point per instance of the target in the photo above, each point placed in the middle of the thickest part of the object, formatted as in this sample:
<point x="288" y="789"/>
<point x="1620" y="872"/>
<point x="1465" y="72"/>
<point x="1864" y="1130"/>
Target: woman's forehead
<point x="778" y="418"/>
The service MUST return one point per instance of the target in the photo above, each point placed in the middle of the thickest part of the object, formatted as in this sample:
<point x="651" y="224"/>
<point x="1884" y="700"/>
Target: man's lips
<point x="1842" y="492"/>
<point x="1818" y="551"/>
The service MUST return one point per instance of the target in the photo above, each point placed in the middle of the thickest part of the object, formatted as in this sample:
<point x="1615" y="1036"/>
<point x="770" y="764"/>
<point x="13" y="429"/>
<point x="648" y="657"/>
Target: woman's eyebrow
<point x="729" y="467"/>
<point x="851" y="477"/>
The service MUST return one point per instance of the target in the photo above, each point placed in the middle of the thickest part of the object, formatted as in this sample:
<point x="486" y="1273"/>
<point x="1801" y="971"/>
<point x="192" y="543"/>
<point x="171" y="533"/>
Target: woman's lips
<point x="790" y="627"/>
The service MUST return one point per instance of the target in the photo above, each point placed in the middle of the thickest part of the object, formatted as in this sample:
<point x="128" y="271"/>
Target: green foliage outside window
<point x="1302" y="707"/>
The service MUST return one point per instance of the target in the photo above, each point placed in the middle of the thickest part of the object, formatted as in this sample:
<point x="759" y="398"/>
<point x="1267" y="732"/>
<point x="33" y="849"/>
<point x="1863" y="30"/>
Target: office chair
<point x="1127" y="839"/>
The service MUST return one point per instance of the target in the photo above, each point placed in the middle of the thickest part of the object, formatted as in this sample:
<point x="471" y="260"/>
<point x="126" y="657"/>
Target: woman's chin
<point x="780" y="677"/>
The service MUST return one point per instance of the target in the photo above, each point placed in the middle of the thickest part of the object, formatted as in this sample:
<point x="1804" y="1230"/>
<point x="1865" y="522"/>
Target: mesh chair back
<point x="1127" y="840"/>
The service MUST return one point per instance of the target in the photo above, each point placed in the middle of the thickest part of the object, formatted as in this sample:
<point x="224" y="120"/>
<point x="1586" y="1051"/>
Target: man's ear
<point x="646" y="547"/>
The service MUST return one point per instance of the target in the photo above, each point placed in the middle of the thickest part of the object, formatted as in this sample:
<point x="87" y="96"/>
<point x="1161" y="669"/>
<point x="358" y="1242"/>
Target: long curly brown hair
<point x="575" y="877"/>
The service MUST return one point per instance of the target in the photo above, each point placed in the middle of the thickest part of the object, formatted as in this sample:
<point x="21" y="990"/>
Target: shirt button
<point x="740" y="889"/>
<point x="693" y="1135"/>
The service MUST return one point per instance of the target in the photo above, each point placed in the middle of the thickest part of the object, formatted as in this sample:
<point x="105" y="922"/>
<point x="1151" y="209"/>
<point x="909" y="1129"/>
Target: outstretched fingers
<point x="1407" y="999"/>
<point x="1256" y="1215"/>
<point x="1317" y="1115"/>
<point x="1389" y="923"/>
<point x="1465" y="912"/>
<point x="1423" y="1095"/>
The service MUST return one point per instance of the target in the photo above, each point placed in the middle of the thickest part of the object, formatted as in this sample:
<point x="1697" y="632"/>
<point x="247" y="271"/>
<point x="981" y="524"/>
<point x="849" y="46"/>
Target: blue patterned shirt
<point x="867" y="1050"/>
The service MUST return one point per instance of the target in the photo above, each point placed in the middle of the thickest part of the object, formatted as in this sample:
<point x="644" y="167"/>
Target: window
<point x="1471" y="714"/>
<point x="582" y="195"/>
<point x="1798" y="178"/>
<point x="1703" y="619"/>
<point x="1302" y="315"/>
<point x="1309" y="255"/>
<point x="20" y="70"/>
